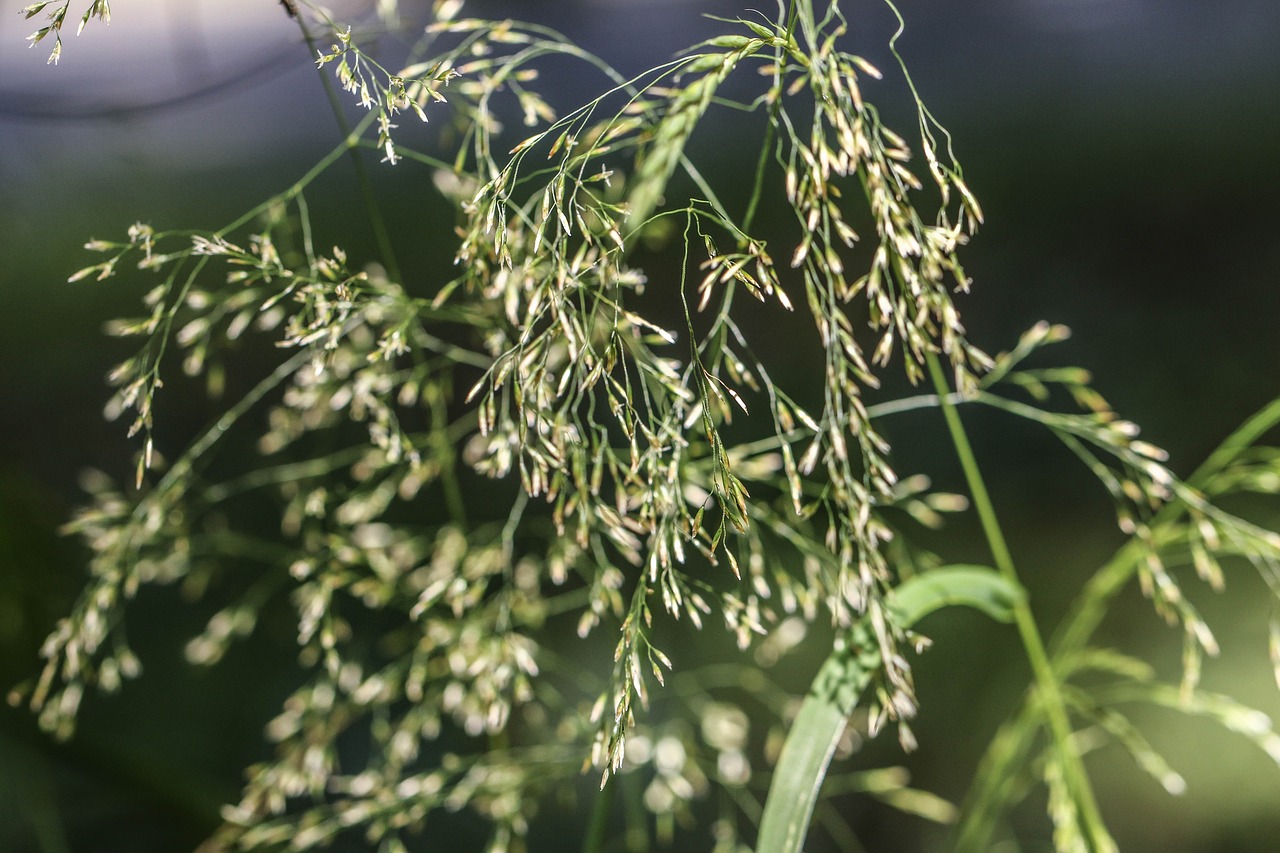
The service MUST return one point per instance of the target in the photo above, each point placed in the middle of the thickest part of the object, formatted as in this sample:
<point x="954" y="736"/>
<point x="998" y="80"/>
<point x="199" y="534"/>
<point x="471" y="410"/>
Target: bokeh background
<point x="1125" y="152"/>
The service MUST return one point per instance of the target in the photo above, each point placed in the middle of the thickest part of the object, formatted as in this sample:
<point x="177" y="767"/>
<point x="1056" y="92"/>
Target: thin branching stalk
<point x="372" y="208"/>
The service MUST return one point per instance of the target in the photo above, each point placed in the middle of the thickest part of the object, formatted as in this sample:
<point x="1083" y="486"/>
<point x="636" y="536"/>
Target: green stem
<point x="770" y="129"/>
<point x="374" y="212"/>
<point x="598" y="828"/>
<point x="995" y="782"/>
<point x="448" y="457"/>
<point x="636" y="839"/>
<point x="758" y="184"/>
<point x="1046" y="680"/>
<point x="296" y="189"/>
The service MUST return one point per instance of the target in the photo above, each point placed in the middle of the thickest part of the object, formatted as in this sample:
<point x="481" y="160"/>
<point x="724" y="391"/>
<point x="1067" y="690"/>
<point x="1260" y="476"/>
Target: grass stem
<point x="1046" y="679"/>
<point x="598" y="828"/>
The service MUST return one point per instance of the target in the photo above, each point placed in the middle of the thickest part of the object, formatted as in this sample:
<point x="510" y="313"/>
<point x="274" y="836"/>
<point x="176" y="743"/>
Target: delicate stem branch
<point x="770" y="130"/>
<point x="374" y="212"/>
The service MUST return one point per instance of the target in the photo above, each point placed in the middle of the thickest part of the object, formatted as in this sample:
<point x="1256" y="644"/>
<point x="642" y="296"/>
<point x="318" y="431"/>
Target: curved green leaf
<point x="841" y="680"/>
<point x="978" y="587"/>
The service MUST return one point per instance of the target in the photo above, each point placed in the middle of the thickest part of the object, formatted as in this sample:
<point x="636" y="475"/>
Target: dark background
<point x="1124" y="152"/>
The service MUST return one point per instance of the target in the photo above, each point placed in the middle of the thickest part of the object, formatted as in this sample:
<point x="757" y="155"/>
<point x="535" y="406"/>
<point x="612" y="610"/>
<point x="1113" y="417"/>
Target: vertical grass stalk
<point x="1046" y="680"/>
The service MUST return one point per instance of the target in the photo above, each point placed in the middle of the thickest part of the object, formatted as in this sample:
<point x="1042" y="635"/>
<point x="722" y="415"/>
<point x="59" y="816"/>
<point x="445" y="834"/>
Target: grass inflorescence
<point x="650" y="467"/>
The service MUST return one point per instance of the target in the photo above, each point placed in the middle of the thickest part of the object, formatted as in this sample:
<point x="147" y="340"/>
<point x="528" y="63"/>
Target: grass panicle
<point x="455" y="470"/>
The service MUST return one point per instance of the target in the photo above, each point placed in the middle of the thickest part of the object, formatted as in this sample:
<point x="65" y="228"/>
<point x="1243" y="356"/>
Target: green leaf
<point x="840" y="681"/>
<point x="978" y="587"/>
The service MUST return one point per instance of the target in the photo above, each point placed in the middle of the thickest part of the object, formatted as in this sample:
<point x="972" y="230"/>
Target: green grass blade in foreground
<point x="842" y="679"/>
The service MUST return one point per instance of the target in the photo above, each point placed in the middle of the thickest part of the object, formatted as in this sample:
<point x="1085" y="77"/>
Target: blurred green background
<point x="1124" y="151"/>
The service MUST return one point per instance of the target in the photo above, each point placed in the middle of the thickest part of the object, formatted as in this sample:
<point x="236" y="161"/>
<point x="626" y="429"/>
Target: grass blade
<point x="840" y="682"/>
